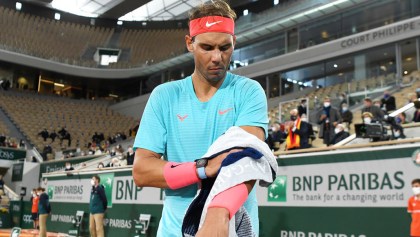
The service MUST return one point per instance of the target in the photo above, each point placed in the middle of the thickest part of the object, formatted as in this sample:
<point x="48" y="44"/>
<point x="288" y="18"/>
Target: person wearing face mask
<point x="414" y="208"/>
<point x="298" y="132"/>
<point x="328" y="118"/>
<point x="44" y="209"/>
<point x="68" y="167"/>
<point x="130" y="156"/>
<point x="340" y="134"/>
<point x="101" y="165"/>
<point x="368" y="118"/>
<point x="376" y="112"/>
<point x="388" y="102"/>
<point x="346" y="115"/>
<point x="34" y="209"/>
<point x="97" y="207"/>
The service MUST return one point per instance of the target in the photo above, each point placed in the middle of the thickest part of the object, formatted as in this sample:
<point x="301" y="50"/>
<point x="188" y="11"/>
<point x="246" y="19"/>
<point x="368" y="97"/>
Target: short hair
<point x="212" y="8"/>
<point x="327" y="98"/>
<point x="303" y="101"/>
<point x="415" y="181"/>
<point x="97" y="178"/>
<point x="367" y="99"/>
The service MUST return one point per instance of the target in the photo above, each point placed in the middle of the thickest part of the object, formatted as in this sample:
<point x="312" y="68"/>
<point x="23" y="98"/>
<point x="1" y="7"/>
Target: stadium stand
<point x="67" y="42"/>
<point x="31" y="113"/>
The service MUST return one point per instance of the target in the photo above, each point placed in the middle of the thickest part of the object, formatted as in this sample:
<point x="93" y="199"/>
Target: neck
<point x="203" y="88"/>
<point x="417" y="196"/>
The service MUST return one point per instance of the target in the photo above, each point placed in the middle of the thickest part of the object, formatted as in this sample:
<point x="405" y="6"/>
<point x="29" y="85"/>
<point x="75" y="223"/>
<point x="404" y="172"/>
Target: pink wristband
<point x="179" y="175"/>
<point x="232" y="199"/>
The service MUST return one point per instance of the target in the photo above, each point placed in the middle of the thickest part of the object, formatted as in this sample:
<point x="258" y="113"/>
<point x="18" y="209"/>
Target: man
<point x="414" y="208"/>
<point x="346" y="115"/>
<point x="44" y="134"/>
<point x="340" y="134"/>
<point x="302" y="108"/>
<point x="416" y="116"/>
<point x="97" y="207"/>
<point x="44" y="209"/>
<point x="298" y="132"/>
<point x="328" y="118"/>
<point x="183" y="118"/>
<point x="412" y="97"/>
<point x="34" y="209"/>
<point x="130" y="156"/>
<point x="376" y="112"/>
<point x="388" y="102"/>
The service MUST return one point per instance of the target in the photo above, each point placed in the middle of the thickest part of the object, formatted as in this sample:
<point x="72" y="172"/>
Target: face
<point x="415" y="185"/>
<point x="367" y="103"/>
<point x="212" y="53"/>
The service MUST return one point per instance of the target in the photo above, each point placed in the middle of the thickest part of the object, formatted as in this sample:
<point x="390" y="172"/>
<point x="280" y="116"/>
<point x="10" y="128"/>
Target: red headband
<point x="212" y="24"/>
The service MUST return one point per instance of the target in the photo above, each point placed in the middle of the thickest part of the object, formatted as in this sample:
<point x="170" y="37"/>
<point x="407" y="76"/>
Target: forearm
<point x="148" y="171"/>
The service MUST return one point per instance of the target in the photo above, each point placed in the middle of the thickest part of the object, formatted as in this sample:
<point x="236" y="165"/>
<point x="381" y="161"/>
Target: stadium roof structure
<point x="127" y="10"/>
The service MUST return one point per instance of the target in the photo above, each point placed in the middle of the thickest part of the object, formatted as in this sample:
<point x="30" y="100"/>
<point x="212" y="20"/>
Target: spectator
<point x="97" y="207"/>
<point x="302" y="108"/>
<point x="47" y="150"/>
<point x="328" y="118"/>
<point x="416" y="116"/>
<point x="69" y="167"/>
<point x="44" y="209"/>
<point x="115" y="162"/>
<point x="346" y="115"/>
<point x="401" y="118"/>
<point x="53" y="135"/>
<point x="368" y="118"/>
<point x="277" y="136"/>
<point x="64" y="135"/>
<point x="100" y="165"/>
<point x="1" y="183"/>
<point x="343" y="99"/>
<point x="376" y="112"/>
<point x="22" y="144"/>
<point x="340" y="134"/>
<point x="398" y="132"/>
<point x="298" y="132"/>
<point x="2" y="140"/>
<point x="412" y="97"/>
<point x="34" y="209"/>
<point x="130" y="156"/>
<point x="414" y="208"/>
<point x="388" y="102"/>
<point x="44" y="134"/>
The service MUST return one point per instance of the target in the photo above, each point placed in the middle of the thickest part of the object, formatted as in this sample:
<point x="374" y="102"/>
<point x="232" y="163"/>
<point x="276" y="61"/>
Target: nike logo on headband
<point x="208" y="25"/>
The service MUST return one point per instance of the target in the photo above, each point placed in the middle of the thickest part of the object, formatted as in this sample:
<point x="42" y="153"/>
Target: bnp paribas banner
<point x="118" y="189"/>
<point x="353" y="193"/>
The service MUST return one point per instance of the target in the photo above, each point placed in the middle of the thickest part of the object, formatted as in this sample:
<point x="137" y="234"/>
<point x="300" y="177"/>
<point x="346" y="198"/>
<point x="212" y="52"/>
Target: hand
<point x="216" y="223"/>
<point x="213" y="165"/>
<point x="335" y="124"/>
<point x="323" y="116"/>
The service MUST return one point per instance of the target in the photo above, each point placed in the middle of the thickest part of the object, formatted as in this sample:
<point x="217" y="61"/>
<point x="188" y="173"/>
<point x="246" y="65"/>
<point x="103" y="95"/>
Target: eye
<point x="207" y="47"/>
<point x="224" y="48"/>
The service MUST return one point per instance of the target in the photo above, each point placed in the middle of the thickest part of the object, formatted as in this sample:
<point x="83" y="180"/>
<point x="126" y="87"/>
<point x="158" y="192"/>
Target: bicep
<point x="259" y="132"/>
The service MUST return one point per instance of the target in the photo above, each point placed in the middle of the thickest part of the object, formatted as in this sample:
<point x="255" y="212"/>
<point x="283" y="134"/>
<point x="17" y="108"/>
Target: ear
<point x="189" y="43"/>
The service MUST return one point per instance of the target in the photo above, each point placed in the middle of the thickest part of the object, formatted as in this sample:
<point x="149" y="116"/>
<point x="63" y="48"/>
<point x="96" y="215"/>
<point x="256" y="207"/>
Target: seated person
<point x="340" y="134"/>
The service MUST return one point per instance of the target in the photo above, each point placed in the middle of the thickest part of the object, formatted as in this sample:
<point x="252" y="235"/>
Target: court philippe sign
<point x="379" y="34"/>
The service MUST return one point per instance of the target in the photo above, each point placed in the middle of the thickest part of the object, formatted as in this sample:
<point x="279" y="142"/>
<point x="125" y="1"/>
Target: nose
<point x="216" y="56"/>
